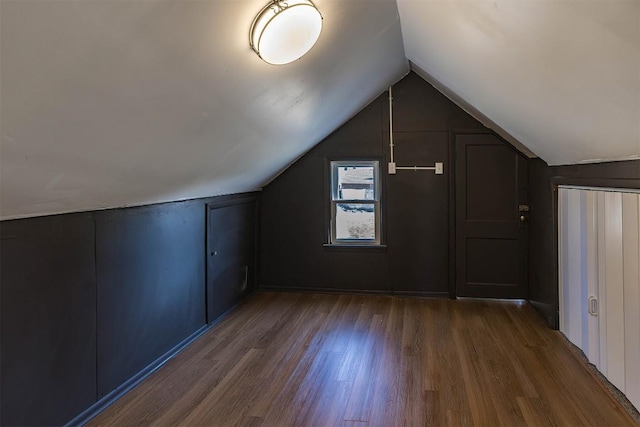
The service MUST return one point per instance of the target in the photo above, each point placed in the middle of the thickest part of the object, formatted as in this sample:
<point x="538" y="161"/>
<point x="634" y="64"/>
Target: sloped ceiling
<point x="117" y="103"/>
<point x="561" y="77"/>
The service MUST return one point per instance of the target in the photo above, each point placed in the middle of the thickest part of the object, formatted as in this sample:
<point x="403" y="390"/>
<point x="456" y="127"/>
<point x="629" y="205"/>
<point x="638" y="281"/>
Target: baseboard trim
<point x="321" y="290"/>
<point x="108" y="399"/>
<point x="546" y="311"/>
<point x="422" y="294"/>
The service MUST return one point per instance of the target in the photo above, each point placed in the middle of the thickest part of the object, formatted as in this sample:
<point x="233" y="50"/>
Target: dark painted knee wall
<point x="89" y="300"/>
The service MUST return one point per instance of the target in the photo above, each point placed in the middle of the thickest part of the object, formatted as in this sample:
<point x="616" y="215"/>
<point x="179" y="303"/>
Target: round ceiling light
<point x="285" y="30"/>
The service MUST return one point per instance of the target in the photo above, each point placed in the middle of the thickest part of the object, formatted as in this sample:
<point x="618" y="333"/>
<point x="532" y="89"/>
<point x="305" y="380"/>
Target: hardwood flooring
<point x="284" y="359"/>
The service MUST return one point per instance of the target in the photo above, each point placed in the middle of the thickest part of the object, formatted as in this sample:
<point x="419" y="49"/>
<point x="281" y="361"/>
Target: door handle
<point x="524" y="211"/>
<point x="522" y="224"/>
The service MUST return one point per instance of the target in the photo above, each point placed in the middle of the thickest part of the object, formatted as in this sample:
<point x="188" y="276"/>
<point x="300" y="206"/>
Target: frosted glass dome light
<point x="285" y="30"/>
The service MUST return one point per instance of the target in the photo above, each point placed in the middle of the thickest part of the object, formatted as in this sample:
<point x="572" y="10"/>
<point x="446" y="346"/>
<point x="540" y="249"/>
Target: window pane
<point x="355" y="221"/>
<point x="355" y="182"/>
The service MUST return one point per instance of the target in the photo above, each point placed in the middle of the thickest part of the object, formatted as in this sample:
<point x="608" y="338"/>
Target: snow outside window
<point x="355" y="202"/>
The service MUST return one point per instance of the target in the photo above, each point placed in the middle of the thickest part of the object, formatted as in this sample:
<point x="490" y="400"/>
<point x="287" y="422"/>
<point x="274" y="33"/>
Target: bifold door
<point x="599" y="241"/>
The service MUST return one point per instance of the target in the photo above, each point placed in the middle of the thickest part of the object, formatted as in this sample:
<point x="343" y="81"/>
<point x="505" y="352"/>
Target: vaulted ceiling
<point x="560" y="76"/>
<point x="117" y="103"/>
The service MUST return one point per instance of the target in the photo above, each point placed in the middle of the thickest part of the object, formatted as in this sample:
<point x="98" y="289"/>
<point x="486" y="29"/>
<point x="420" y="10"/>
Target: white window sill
<point x="355" y="247"/>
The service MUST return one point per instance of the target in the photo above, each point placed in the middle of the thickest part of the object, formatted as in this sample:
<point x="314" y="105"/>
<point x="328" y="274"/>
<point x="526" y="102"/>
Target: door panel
<point x="231" y="238"/>
<point x="592" y="332"/>
<point x="492" y="261"/>
<point x="631" y="243"/>
<point x="611" y="289"/>
<point x="577" y="276"/>
<point x="491" y="245"/>
<point x="490" y="180"/>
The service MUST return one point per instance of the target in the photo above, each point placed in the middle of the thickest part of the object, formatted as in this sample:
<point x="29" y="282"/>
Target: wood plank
<point x="287" y="359"/>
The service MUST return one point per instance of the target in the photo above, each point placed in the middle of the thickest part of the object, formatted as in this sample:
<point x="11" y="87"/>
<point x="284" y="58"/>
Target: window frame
<point x="334" y="165"/>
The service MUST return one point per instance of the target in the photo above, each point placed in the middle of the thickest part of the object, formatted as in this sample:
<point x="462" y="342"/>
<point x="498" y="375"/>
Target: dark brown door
<point x="491" y="238"/>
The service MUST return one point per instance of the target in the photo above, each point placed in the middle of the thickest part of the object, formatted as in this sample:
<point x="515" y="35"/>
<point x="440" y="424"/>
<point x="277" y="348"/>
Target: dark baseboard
<point x="322" y="290"/>
<point x="547" y="312"/>
<point x="107" y="400"/>
<point x="319" y="290"/>
<point x="437" y="295"/>
<point x="102" y="404"/>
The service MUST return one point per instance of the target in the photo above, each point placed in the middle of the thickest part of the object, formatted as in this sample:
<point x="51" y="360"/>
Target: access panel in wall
<point x="231" y="254"/>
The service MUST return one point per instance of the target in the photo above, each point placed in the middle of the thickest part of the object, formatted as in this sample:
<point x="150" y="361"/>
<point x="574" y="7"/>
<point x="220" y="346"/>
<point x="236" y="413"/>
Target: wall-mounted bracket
<point x="438" y="168"/>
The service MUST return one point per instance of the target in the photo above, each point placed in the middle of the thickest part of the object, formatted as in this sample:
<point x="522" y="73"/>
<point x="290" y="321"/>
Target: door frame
<point x="453" y="133"/>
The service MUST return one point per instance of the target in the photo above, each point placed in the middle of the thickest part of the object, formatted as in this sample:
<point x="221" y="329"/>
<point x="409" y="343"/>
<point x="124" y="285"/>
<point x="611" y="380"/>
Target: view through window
<point x="355" y="205"/>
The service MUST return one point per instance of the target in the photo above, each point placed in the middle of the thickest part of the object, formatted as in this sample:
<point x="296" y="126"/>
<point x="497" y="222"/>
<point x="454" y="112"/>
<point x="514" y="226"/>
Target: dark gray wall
<point x="91" y="300"/>
<point x="415" y="205"/>
<point x="48" y="319"/>
<point x="150" y="276"/>
<point x="623" y="174"/>
<point x="542" y="292"/>
<point x="543" y="242"/>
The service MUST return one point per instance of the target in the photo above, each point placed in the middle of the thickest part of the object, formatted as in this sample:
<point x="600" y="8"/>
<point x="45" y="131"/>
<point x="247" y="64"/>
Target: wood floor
<point x="350" y="360"/>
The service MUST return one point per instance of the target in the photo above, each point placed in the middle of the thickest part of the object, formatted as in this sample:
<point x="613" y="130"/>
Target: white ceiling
<point x="117" y="103"/>
<point x="560" y="76"/>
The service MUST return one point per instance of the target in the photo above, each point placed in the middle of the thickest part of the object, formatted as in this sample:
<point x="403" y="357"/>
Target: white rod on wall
<point x="416" y="168"/>
<point x="391" y="124"/>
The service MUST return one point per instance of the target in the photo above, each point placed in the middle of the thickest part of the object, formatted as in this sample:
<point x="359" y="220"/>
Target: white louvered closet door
<point x="631" y="277"/>
<point x="578" y="251"/>
<point x="599" y="251"/>
<point x="611" y="288"/>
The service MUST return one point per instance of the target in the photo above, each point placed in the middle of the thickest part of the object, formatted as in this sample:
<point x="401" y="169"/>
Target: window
<point x="355" y="202"/>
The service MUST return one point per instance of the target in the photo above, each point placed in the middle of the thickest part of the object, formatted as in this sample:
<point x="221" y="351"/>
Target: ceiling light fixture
<point x="285" y="30"/>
